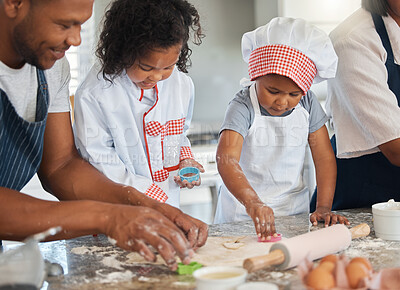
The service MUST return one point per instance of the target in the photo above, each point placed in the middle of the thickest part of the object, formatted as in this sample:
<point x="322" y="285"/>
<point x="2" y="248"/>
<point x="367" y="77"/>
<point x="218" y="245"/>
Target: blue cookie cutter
<point x="187" y="171"/>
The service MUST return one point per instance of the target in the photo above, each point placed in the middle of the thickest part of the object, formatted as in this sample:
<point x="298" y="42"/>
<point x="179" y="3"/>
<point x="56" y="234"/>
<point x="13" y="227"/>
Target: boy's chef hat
<point x="290" y="47"/>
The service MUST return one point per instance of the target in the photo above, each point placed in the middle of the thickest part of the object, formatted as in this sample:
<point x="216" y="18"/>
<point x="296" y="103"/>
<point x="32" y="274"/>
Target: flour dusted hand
<point x="136" y="228"/>
<point x="263" y="218"/>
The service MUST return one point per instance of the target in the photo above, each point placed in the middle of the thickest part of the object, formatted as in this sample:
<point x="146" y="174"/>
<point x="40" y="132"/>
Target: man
<point x="34" y="75"/>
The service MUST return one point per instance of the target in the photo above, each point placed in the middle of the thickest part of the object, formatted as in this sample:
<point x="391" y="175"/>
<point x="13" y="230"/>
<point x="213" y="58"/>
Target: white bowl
<point x="219" y="277"/>
<point x="387" y="220"/>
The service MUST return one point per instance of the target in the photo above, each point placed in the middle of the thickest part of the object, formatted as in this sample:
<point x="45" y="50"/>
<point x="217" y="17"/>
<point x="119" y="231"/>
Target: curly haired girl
<point x="134" y="107"/>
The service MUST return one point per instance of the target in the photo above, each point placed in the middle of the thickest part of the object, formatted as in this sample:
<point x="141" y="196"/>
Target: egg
<point x="363" y="261"/>
<point x="356" y="271"/>
<point x="320" y="278"/>
<point x="327" y="265"/>
<point x="330" y="258"/>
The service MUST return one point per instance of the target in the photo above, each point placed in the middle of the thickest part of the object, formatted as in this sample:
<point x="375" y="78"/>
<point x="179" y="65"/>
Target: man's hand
<point x="195" y="230"/>
<point x="136" y="228"/>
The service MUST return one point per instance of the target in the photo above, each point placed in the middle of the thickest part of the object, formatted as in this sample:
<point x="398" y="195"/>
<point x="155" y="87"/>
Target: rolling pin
<point x="317" y="244"/>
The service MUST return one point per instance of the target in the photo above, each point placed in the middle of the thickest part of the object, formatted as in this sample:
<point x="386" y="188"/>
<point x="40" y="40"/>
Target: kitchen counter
<point x="94" y="263"/>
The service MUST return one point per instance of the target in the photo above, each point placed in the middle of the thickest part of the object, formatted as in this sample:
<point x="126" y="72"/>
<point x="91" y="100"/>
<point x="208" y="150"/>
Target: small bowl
<point x="219" y="277"/>
<point x="387" y="220"/>
<point x="189" y="173"/>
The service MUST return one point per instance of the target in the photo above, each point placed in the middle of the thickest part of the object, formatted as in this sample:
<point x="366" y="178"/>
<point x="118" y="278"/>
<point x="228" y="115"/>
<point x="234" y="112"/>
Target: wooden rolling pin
<point x="317" y="244"/>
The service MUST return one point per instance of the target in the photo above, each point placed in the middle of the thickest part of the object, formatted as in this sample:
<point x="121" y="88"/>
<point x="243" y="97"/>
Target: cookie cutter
<point x="273" y="239"/>
<point x="189" y="173"/>
<point x="188" y="269"/>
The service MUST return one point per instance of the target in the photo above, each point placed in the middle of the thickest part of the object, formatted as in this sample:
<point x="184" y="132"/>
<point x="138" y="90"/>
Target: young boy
<point x="268" y="125"/>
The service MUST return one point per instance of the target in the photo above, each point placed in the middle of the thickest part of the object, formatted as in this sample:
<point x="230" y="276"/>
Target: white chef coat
<point x="135" y="137"/>
<point x="363" y="110"/>
<point x="272" y="160"/>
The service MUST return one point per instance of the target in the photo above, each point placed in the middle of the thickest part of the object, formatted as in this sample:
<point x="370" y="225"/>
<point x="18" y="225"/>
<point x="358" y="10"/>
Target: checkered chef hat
<point x="292" y="48"/>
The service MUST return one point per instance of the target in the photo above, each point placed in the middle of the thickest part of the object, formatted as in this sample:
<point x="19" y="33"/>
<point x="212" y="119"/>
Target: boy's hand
<point x="189" y="163"/>
<point x="263" y="218"/>
<point x="325" y="214"/>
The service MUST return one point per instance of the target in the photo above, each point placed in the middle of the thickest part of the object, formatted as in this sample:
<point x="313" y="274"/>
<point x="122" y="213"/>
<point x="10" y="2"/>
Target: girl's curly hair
<point x="133" y="27"/>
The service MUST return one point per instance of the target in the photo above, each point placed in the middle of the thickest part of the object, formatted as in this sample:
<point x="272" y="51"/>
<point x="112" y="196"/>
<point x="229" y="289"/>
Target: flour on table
<point x="215" y="252"/>
<point x="113" y="277"/>
<point x="86" y="250"/>
<point x="112" y="262"/>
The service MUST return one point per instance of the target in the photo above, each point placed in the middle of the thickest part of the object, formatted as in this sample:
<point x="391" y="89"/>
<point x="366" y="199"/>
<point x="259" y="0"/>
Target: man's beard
<point x="22" y="44"/>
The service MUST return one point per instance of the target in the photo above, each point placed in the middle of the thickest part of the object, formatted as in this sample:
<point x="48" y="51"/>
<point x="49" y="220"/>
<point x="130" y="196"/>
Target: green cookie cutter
<point x="188" y="269"/>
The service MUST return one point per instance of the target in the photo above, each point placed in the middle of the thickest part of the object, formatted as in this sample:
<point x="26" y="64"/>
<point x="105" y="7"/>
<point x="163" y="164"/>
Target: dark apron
<point x="21" y="142"/>
<point x="368" y="179"/>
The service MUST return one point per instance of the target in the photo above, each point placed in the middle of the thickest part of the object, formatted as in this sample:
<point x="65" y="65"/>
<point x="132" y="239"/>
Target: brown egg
<point x="355" y="272"/>
<point x="363" y="261"/>
<point x="320" y="278"/>
<point x="330" y="258"/>
<point x="327" y="265"/>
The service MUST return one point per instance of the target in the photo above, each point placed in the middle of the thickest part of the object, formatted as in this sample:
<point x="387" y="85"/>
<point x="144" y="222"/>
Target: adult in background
<point x="36" y="136"/>
<point x="363" y="103"/>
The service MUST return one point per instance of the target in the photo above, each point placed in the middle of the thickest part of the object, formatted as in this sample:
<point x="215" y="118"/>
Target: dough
<point x="234" y="244"/>
<point x="214" y="252"/>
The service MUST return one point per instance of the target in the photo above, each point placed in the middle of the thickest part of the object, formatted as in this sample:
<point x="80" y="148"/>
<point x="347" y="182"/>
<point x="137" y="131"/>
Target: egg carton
<point x="375" y="280"/>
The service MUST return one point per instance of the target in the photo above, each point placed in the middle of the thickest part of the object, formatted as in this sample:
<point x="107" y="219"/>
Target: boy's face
<point x="156" y="66"/>
<point x="46" y="29"/>
<point x="277" y="94"/>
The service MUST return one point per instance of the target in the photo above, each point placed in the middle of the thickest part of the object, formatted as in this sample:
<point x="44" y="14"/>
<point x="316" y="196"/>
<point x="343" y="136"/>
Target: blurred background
<point x="217" y="68"/>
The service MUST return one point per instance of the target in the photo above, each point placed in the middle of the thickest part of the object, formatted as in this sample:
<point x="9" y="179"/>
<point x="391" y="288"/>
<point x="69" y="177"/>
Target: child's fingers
<point x="257" y="226"/>
<point x="178" y="181"/>
<point x="201" y="168"/>
<point x="327" y="220"/>
<point x="263" y="228"/>
<point x="343" y="220"/>
<point x="196" y="182"/>
<point x="313" y="219"/>
<point x="187" y="184"/>
<point x="273" y="230"/>
<point x="334" y="219"/>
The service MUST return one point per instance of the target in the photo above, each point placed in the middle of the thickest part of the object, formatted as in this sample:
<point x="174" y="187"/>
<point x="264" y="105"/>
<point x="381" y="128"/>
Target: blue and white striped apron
<point x="21" y="142"/>
<point x="371" y="178"/>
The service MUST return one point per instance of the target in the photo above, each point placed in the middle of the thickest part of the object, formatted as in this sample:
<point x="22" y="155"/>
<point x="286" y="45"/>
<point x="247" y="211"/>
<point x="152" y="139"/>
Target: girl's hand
<point x="189" y="163"/>
<point x="263" y="218"/>
<point x="325" y="214"/>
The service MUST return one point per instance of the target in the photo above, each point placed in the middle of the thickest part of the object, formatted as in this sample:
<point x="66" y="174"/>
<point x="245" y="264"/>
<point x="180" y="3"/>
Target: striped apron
<point x="371" y="178"/>
<point x="21" y="142"/>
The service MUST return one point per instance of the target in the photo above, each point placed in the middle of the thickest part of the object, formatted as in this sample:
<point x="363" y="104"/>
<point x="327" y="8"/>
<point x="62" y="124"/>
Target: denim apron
<point x="368" y="179"/>
<point x="21" y="142"/>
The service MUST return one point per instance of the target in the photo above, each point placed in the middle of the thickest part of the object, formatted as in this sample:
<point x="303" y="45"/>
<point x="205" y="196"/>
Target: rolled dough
<point x="214" y="253"/>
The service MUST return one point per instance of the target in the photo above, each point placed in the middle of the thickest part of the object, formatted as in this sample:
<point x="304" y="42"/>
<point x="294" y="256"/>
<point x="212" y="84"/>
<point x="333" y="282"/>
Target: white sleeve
<point x="95" y="143"/>
<point x="189" y="115"/>
<point x="364" y="110"/>
<point x="58" y="78"/>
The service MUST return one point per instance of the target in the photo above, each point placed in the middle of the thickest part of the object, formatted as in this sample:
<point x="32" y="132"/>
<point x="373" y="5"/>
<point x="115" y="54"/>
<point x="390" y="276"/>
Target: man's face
<point x="49" y="29"/>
